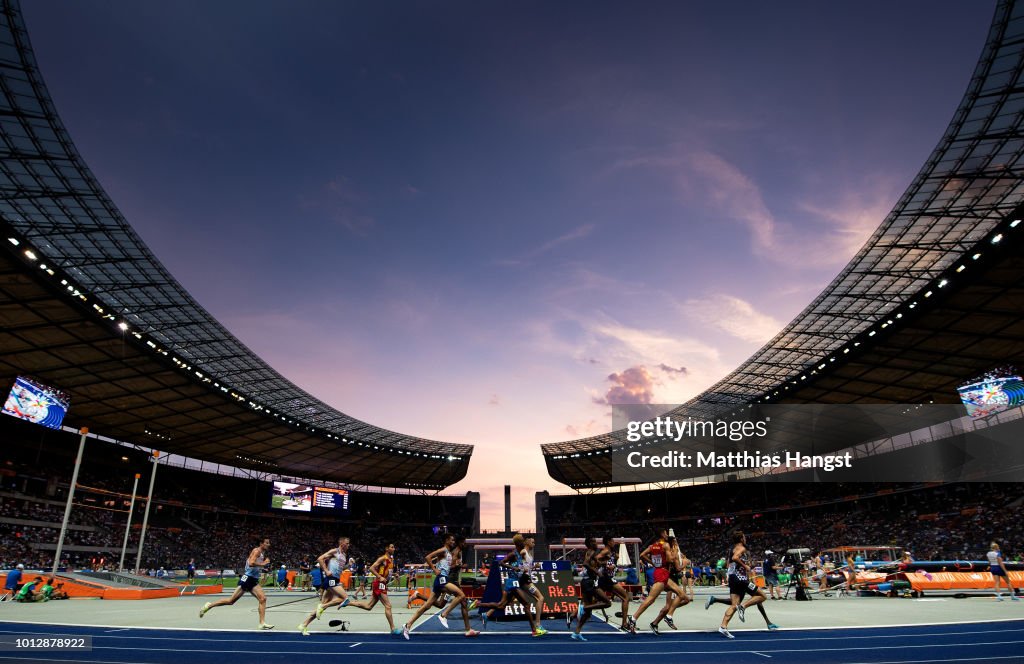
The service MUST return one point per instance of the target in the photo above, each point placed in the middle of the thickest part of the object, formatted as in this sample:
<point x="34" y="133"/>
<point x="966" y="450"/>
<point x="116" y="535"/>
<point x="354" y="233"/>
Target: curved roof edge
<point x="969" y="183"/>
<point x="52" y="199"/>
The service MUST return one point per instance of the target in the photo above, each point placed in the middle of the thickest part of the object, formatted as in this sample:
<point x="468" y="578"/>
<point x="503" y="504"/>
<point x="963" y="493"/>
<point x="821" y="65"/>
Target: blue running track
<point x="978" y="642"/>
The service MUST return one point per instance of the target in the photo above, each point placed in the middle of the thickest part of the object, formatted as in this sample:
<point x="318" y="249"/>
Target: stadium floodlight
<point x="975" y="257"/>
<point x="1015" y="223"/>
<point x="14" y="241"/>
<point x="995" y="238"/>
<point x="30" y="255"/>
<point x="943" y="283"/>
<point x="123" y="326"/>
<point x="961" y="268"/>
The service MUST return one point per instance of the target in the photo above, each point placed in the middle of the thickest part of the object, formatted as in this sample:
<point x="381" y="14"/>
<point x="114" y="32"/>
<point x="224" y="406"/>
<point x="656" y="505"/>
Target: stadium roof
<point x="174" y="371"/>
<point x="969" y="190"/>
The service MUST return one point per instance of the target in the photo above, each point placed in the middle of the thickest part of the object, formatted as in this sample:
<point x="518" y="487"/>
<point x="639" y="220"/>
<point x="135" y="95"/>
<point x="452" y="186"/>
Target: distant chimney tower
<point x="508" y="508"/>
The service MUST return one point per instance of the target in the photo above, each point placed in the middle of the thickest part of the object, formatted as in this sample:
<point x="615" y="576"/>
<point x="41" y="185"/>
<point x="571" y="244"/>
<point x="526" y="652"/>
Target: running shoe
<point x="724" y="632"/>
<point x="631" y="625"/>
<point x="707" y="604"/>
<point x="266" y="626"/>
<point x="319" y="611"/>
<point x="472" y="632"/>
<point x="405" y="632"/>
<point x="669" y="622"/>
<point x="304" y="629"/>
<point x="540" y="631"/>
<point x="344" y="603"/>
<point x="472" y="605"/>
<point x="1014" y="598"/>
<point x="772" y="627"/>
<point x="577" y="637"/>
<point x="206" y="607"/>
<point x="396" y="631"/>
<point x="743" y="613"/>
<point x="444" y="621"/>
<point x="654" y="628"/>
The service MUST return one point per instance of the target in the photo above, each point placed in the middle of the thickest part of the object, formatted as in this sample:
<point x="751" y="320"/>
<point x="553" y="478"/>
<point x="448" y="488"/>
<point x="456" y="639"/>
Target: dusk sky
<point x="484" y="222"/>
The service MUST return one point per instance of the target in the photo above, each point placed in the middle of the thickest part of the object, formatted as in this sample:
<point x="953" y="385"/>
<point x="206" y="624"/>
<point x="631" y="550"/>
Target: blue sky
<point x="484" y="222"/>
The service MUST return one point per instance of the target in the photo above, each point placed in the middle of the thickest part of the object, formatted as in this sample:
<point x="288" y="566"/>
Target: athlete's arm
<point x="737" y="556"/>
<point x="322" y="560"/>
<point x="645" y="557"/>
<point x="432" y="556"/>
<point x="506" y="562"/>
<point x="377" y="564"/>
<point x="253" y="555"/>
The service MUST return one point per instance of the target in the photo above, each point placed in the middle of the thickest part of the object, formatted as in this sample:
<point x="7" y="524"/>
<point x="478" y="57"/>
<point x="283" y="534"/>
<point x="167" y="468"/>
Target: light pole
<point x="128" y="528"/>
<point x="145" y="519"/>
<point x="71" y="496"/>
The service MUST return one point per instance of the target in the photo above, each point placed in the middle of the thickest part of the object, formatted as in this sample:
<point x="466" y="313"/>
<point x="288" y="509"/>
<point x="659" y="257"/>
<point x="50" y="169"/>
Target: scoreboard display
<point x="555" y="581"/>
<point x="330" y="499"/>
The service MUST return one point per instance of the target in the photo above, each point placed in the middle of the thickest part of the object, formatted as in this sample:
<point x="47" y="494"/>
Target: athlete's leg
<point x="457" y="598"/>
<point x="229" y="601"/>
<point x="734" y="605"/>
<point x="257" y="592"/>
<point x="420" y="611"/>
<point x="626" y="597"/>
<point x="387" y="611"/>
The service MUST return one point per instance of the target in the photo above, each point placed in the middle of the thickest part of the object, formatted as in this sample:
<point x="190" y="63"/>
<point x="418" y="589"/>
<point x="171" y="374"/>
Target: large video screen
<point x="294" y="497"/>
<point x="37" y="403"/>
<point x="330" y="499"/>
<point x="997" y="390"/>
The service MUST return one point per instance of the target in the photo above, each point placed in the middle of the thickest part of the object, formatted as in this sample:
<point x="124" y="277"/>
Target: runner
<point x="381" y="570"/>
<point x="331" y="563"/>
<point x="526" y="579"/>
<point x="659" y="556"/>
<point x="249" y="583"/>
<point x="739" y="573"/>
<point x="513" y="566"/>
<point x="447" y="600"/>
<point x="593" y="598"/>
<point x="440" y="561"/>
<point x="605" y="559"/>
<point x="681" y="566"/>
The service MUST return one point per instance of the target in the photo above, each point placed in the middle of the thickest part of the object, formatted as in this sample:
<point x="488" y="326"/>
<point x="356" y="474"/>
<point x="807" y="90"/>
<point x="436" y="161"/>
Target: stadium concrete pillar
<point x="71" y="496"/>
<point x="145" y="519"/>
<point x="541" y="502"/>
<point x="473" y="503"/>
<point x="128" y="528"/>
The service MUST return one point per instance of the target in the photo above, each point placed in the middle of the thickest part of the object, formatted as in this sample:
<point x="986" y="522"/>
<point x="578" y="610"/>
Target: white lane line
<point x="463" y="653"/>
<point x="36" y="623"/>
<point x="761" y="654"/>
<point x="108" y="631"/>
<point x="356" y="644"/>
<point x="269" y="637"/>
